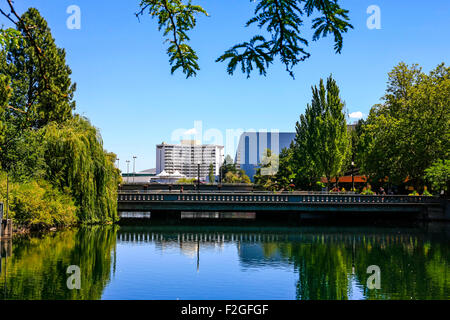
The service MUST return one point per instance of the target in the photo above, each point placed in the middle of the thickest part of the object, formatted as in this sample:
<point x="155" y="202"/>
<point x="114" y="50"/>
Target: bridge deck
<point x="267" y="201"/>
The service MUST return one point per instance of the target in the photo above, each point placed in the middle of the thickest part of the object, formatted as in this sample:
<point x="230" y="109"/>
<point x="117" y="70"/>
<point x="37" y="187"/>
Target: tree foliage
<point x="438" y="175"/>
<point x="266" y="174"/>
<point x="41" y="84"/>
<point x="44" y="147"/>
<point x="8" y="38"/>
<point x="408" y="132"/>
<point x="322" y="142"/>
<point x="176" y="18"/>
<point x="238" y="176"/>
<point x="229" y="173"/>
<point x="186" y="181"/>
<point x="37" y="204"/>
<point x="287" y="170"/>
<point x="211" y="176"/>
<point x="281" y="19"/>
<point x="76" y="161"/>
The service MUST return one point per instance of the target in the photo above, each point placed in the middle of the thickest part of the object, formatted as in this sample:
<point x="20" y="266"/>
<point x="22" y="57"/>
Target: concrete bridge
<point x="278" y="202"/>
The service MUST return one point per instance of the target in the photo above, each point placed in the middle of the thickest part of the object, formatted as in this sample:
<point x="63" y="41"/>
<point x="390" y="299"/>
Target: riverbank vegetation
<point x="59" y="172"/>
<point x="403" y="143"/>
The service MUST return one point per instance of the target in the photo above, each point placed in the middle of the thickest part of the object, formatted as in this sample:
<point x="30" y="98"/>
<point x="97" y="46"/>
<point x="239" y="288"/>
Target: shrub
<point x="36" y="204"/>
<point x="186" y="181"/>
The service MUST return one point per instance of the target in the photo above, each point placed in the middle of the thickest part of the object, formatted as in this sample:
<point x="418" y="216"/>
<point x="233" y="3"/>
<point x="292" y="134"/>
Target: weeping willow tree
<point x="76" y="161"/>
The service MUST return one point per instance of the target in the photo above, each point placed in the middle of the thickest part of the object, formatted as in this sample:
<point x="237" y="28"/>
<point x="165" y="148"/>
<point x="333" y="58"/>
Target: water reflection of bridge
<point x="331" y="238"/>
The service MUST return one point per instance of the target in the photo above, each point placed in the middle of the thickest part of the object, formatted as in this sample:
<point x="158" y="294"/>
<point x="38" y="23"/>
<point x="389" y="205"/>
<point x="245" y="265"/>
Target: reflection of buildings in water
<point x="218" y="215"/>
<point x="258" y="254"/>
<point x="260" y="248"/>
<point x="135" y="215"/>
<point x="188" y="243"/>
<point x="189" y="249"/>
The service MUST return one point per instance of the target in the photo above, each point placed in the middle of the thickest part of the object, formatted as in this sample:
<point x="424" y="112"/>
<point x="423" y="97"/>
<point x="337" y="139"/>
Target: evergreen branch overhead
<point x="175" y="19"/>
<point x="282" y="19"/>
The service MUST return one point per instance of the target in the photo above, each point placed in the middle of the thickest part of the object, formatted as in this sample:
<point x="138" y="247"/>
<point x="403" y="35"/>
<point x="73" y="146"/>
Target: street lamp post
<point x="353" y="176"/>
<point x="128" y="170"/>
<point x="134" y="167"/>
<point x="7" y="197"/>
<point x="198" y="177"/>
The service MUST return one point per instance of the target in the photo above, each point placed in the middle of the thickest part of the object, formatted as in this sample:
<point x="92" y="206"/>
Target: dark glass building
<point x="252" y="145"/>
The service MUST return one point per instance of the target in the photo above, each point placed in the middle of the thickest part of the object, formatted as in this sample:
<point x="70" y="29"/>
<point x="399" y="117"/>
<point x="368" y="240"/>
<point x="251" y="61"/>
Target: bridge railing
<point x="268" y="197"/>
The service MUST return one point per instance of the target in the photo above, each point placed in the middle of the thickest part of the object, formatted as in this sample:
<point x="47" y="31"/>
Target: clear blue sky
<point x="125" y="87"/>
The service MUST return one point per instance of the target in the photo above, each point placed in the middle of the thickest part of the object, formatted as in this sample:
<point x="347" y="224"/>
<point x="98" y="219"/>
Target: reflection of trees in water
<point x="411" y="268"/>
<point x="37" y="267"/>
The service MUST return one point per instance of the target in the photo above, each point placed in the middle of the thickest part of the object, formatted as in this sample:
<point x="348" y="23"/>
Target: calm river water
<point x="179" y="260"/>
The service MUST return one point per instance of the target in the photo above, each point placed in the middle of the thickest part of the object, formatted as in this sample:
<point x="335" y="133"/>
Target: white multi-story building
<point x="184" y="158"/>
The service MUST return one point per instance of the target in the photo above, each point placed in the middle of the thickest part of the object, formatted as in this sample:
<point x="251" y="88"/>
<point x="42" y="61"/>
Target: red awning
<point x="347" y="179"/>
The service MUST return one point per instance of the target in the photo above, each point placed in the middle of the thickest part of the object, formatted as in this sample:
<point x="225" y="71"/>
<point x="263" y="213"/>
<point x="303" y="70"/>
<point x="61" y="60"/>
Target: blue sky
<point x="125" y="88"/>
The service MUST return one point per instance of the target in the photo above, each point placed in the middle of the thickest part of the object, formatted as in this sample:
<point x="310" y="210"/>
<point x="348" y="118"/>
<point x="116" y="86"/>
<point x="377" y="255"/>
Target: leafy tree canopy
<point x="408" y="132"/>
<point x="322" y="141"/>
<point x="42" y="90"/>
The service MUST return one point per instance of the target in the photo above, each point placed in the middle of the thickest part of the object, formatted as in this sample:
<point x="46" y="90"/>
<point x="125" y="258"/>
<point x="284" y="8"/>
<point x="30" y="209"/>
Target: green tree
<point x="238" y="176"/>
<point x="42" y="90"/>
<point x="408" y="132"/>
<point x="5" y="93"/>
<point x="8" y="38"/>
<point x="227" y="166"/>
<point x="286" y="171"/>
<point x="211" y="175"/>
<point x="438" y="175"/>
<point x="281" y="19"/>
<point x="266" y="174"/>
<point x="76" y="161"/>
<point x="45" y="148"/>
<point x="322" y="141"/>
